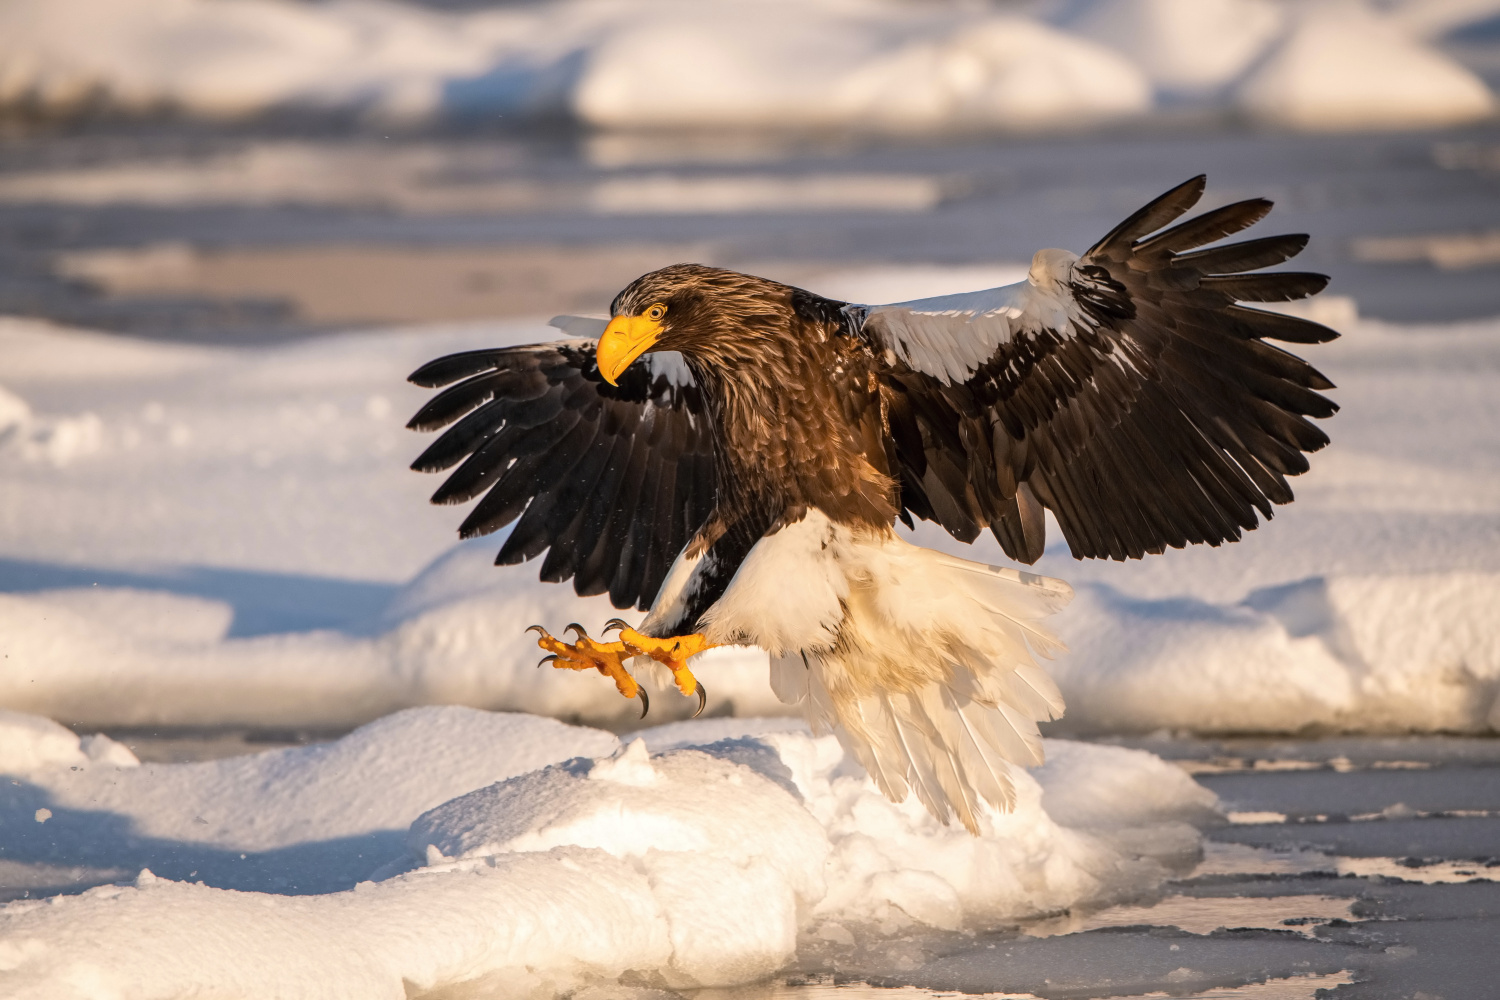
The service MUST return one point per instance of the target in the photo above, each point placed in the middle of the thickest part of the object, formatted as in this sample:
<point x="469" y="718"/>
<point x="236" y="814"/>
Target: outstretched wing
<point x="1127" y="391"/>
<point x="614" y="480"/>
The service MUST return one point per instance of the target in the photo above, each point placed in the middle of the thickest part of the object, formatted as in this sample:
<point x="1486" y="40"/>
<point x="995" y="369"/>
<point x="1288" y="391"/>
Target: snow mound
<point x="29" y="743"/>
<point x="14" y="413"/>
<point x="306" y="819"/>
<point x="709" y="864"/>
<point x="795" y="806"/>
<point x="1344" y="67"/>
<point x="857" y="64"/>
<point x="863" y="64"/>
<point x="456" y="633"/>
<point x="791" y="65"/>
<point x="730" y="856"/>
<point x="1375" y="653"/>
<point x="54" y="440"/>
<point x="1189" y="48"/>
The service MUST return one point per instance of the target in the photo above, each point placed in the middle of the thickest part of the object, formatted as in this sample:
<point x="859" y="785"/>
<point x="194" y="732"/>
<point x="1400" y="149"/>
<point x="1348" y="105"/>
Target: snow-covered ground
<point x="702" y="852"/>
<point x="201" y="536"/>
<point x="860" y="64"/>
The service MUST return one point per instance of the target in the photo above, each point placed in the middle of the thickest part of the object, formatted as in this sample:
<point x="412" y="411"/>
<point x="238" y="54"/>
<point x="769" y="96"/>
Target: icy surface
<point x="707" y="863"/>
<point x="862" y="64"/>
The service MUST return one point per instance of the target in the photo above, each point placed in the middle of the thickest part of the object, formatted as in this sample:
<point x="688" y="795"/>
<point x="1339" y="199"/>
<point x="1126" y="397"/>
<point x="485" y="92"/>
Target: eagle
<point x="731" y="455"/>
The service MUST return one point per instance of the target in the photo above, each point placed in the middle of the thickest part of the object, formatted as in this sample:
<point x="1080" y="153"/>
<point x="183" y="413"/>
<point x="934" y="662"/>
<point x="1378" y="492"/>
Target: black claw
<point x="640" y="693"/>
<point x="546" y="659"/>
<point x="537" y="629"/>
<point x="576" y="628"/>
<point x="702" y="698"/>
<point x="615" y="623"/>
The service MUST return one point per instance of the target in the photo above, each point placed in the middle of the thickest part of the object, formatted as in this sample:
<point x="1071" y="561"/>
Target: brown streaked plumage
<point x="1127" y="391"/>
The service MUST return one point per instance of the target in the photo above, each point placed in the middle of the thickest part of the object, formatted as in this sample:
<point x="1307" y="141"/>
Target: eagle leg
<point x="606" y="657"/>
<point x="674" y="652"/>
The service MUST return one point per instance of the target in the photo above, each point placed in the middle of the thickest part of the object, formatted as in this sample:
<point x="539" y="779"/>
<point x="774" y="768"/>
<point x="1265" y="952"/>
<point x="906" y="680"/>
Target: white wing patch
<point x="669" y="365"/>
<point x="951" y="336"/>
<point x="677" y="589"/>
<point x="586" y="327"/>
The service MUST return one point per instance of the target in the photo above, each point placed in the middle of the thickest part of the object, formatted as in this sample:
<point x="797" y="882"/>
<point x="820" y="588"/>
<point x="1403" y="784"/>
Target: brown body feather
<point x="1157" y="417"/>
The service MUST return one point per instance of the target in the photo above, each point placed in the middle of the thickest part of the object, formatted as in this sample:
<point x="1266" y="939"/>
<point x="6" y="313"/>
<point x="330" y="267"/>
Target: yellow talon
<point x="674" y="652"/>
<point x="608" y="658"/>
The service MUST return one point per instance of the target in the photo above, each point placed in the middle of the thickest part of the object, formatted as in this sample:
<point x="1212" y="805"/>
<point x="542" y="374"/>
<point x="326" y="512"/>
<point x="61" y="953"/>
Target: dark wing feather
<point x="613" y="480"/>
<point x="1155" y="416"/>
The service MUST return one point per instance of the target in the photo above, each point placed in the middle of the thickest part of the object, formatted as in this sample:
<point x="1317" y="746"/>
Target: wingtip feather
<point x="1153" y="215"/>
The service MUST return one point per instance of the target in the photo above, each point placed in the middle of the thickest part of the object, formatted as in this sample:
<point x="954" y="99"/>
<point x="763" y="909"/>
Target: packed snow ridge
<point x="865" y="64"/>
<point x="540" y="857"/>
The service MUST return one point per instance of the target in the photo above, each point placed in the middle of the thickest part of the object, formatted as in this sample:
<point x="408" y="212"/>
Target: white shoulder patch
<point x="951" y="336"/>
<point x="669" y="365"/>
<point x="589" y="327"/>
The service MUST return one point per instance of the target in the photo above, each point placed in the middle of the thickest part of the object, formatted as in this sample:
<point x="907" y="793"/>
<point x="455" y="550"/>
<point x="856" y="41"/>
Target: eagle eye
<point x="656" y="312"/>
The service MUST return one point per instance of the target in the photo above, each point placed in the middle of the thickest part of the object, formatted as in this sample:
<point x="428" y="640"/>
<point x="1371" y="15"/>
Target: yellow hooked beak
<point x="625" y="339"/>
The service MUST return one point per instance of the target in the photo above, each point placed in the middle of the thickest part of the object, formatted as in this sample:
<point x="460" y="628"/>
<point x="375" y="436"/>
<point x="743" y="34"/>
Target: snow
<point x="774" y="64"/>
<point x="861" y="64"/>
<point x="1189" y="48"/>
<point x="1343" y="67"/>
<point x="126" y="656"/>
<point x="30" y="743"/>
<point x="554" y="857"/>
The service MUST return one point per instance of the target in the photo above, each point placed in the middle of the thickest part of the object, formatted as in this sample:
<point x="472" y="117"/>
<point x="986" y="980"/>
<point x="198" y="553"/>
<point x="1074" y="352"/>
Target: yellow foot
<point x="673" y="651"/>
<point x="606" y="657"/>
<point x="609" y="658"/>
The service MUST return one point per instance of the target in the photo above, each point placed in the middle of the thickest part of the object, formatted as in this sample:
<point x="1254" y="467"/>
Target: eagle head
<point x="691" y="308"/>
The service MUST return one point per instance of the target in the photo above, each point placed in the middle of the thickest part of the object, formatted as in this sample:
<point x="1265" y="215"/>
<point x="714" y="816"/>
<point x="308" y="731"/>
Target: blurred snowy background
<point x="866" y="64"/>
<point x="230" y="228"/>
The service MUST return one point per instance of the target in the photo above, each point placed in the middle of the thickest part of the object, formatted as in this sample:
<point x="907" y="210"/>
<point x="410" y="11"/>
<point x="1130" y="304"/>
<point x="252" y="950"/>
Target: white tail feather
<point x="921" y="662"/>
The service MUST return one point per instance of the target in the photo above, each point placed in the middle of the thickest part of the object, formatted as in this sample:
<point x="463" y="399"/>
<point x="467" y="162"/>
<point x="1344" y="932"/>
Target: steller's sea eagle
<point x="742" y="482"/>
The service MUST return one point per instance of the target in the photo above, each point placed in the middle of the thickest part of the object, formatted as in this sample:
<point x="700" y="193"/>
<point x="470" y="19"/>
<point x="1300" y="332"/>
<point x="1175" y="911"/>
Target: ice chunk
<point x="28" y="743"/>
<point x="380" y="777"/>
<point x="735" y="853"/>
<point x="1344" y="67"/>
<point x="1187" y="47"/>
<point x="775" y="65"/>
<point x="14" y="413"/>
<point x="1357" y="652"/>
<point x="858" y="65"/>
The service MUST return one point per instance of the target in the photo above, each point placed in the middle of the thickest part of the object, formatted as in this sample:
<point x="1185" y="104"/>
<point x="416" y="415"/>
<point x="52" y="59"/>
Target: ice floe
<point x="850" y="64"/>
<point x="708" y="862"/>
<point x="1341" y="66"/>
<point x="1189" y="48"/>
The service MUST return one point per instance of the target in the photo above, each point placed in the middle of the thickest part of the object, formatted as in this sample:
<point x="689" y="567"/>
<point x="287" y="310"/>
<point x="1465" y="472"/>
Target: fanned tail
<point x="933" y="685"/>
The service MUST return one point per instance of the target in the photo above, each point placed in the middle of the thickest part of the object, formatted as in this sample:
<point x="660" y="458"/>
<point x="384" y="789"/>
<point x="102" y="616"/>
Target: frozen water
<point x="864" y="64"/>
